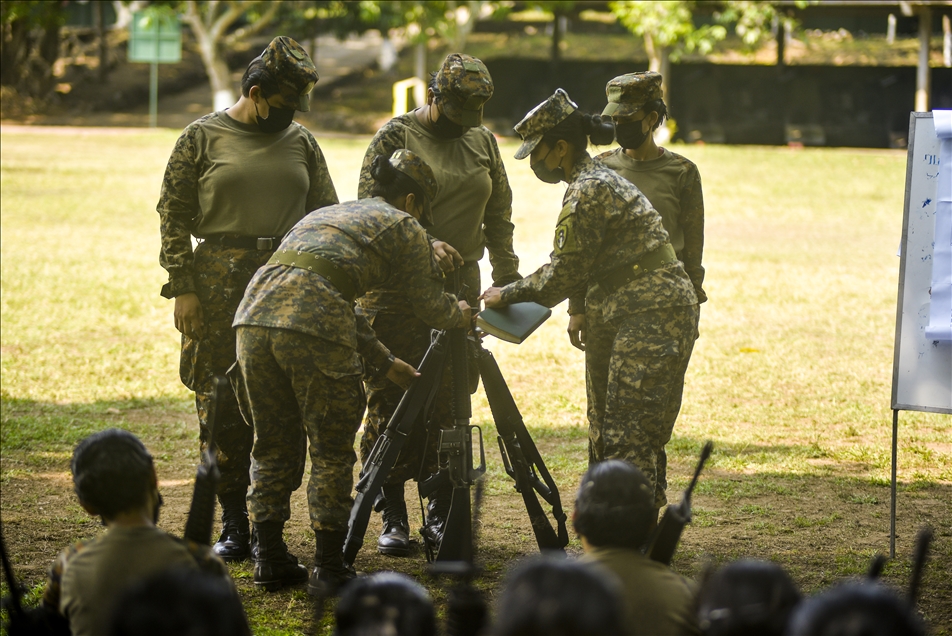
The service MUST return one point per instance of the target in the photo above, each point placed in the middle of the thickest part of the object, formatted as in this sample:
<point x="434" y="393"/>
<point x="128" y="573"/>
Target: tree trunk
<point x="223" y="93"/>
<point x="922" y="71"/>
<point x="103" y="69"/>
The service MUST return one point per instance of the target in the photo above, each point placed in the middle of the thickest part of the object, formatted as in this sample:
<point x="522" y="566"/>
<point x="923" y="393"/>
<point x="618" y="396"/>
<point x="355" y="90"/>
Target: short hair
<point x="551" y="596"/>
<point x="746" y="597"/>
<point x="391" y="184"/>
<point x="614" y="505"/>
<point x="112" y="472"/>
<point x="257" y="75"/>
<point x="856" y="608"/>
<point x="385" y="603"/>
<point x="578" y="128"/>
<point x="180" y="601"/>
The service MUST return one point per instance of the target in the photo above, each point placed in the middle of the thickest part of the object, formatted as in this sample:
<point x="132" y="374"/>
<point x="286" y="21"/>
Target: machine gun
<point x="201" y="513"/>
<point x="665" y="540"/>
<point x="412" y="408"/>
<point x="456" y="461"/>
<point x="521" y="458"/>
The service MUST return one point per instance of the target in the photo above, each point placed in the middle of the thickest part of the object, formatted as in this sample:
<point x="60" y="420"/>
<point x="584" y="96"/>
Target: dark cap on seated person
<point x="542" y="119"/>
<point x="627" y="94"/>
<point x="414" y="167"/>
<point x="292" y="68"/>
<point x="465" y="85"/>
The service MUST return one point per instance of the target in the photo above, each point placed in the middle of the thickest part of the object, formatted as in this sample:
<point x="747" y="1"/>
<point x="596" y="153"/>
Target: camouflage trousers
<point x="297" y="408"/>
<point x="634" y="376"/>
<point x="408" y="338"/>
<point x="221" y="276"/>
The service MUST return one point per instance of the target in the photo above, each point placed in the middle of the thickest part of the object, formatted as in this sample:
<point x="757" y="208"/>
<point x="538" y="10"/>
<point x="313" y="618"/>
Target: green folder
<point x="513" y="323"/>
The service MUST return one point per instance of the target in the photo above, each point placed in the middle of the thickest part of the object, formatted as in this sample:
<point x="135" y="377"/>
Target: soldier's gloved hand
<point x="577" y="331"/>
<point x="401" y="373"/>
<point x="189" y="318"/>
<point x="447" y="256"/>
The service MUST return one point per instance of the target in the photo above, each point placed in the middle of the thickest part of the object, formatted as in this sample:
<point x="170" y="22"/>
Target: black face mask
<point x="546" y="174"/>
<point x="445" y="128"/>
<point x="630" y="135"/>
<point x="278" y="118"/>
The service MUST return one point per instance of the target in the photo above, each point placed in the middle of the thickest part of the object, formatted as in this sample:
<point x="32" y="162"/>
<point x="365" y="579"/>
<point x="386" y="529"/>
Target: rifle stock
<point x="521" y="458"/>
<point x="414" y="403"/>
<point x="672" y="524"/>
<point x="201" y="512"/>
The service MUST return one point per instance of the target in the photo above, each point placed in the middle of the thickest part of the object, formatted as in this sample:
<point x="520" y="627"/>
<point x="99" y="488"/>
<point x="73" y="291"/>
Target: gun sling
<point x="319" y="265"/>
<point x="618" y="277"/>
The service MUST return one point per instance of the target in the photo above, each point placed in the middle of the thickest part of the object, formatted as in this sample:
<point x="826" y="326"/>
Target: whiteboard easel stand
<point x="922" y="373"/>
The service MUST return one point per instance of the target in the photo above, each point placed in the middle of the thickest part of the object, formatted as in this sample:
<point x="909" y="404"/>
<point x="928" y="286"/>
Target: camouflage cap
<point x="542" y="119"/>
<point x="292" y="68"/>
<point x="628" y="93"/>
<point x="413" y="166"/>
<point x="465" y="85"/>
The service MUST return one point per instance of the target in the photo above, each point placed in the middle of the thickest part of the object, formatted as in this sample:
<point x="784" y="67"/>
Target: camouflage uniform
<point x="639" y="335"/>
<point x="671" y="182"/>
<point x="206" y="193"/>
<point x="469" y="224"/>
<point x="301" y="346"/>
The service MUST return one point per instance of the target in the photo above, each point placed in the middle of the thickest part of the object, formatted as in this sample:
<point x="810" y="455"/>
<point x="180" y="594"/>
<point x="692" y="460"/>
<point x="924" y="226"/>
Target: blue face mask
<point x="278" y="118"/>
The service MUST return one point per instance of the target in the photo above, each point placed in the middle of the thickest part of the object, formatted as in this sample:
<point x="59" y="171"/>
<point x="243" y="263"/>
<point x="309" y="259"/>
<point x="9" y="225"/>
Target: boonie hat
<point x="542" y="119"/>
<point x="465" y="85"/>
<point x="292" y="68"/>
<point x="412" y="165"/>
<point x="627" y="94"/>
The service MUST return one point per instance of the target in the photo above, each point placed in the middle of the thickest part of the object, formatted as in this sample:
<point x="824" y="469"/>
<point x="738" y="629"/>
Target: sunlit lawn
<point x="791" y="376"/>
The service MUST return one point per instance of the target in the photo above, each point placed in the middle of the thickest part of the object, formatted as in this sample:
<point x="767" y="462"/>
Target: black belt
<point x="260" y="243"/>
<point x="617" y="278"/>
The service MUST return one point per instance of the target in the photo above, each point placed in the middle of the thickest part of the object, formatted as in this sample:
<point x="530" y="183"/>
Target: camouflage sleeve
<point x="370" y="349"/>
<point x="692" y="223"/>
<point x="390" y="137"/>
<point x="497" y="223"/>
<point x="321" y="193"/>
<point x="421" y="279"/>
<point x="578" y="237"/>
<point x="179" y="212"/>
<point x="576" y="304"/>
<point x="54" y="576"/>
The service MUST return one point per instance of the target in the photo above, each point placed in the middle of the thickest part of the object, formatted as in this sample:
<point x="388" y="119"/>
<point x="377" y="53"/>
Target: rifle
<point x="414" y="404"/>
<point x="666" y="537"/>
<point x="520" y="457"/>
<point x="201" y="513"/>
<point x="38" y="621"/>
<point x="456" y="453"/>
<point x="923" y="539"/>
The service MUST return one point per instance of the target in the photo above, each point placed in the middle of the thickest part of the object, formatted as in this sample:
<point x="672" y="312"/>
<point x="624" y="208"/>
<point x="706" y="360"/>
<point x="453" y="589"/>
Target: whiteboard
<point x="922" y="368"/>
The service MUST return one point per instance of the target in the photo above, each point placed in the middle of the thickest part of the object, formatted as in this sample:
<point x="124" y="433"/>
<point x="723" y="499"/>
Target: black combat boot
<point x="330" y="572"/>
<point x="234" y="542"/>
<point x="275" y="567"/>
<point x="437" y="509"/>
<point x="395" y="538"/>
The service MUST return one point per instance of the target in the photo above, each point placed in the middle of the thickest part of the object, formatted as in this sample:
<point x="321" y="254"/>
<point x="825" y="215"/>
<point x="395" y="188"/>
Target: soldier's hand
<point x="447" y="256"/>
<point x="467" y="314"/>
<point x="577" y="331"/>
<point x="189" y="318"/>
<point x="492" y="297"/>
<point x="401" y="373"/>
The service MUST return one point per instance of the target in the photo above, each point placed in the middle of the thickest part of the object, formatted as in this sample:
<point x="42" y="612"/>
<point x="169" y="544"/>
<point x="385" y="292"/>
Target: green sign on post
<point x="155" y="36"/>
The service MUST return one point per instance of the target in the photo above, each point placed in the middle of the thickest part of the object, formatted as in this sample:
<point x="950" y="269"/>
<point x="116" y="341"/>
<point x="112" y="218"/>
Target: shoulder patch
<point x="565" y="241"/>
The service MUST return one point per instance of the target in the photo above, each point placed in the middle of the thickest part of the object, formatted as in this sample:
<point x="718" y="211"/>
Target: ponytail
<point x="390" y="183"/>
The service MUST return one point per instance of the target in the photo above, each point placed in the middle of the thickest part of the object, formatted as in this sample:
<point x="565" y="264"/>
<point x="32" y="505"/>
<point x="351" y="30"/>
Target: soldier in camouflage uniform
<point x="237" y="180"/>
<point x="471" y="213"/>
<point x="671" y="182"/>
<point x="300" y="351"/>
<point x="633" y="308"/>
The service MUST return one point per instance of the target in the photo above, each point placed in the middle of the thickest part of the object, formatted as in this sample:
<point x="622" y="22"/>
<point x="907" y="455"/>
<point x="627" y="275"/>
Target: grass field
<point x="791" y="377"/>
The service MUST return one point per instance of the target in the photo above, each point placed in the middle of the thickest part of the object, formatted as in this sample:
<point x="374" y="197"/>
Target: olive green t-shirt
<point x="96" y="575"/>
